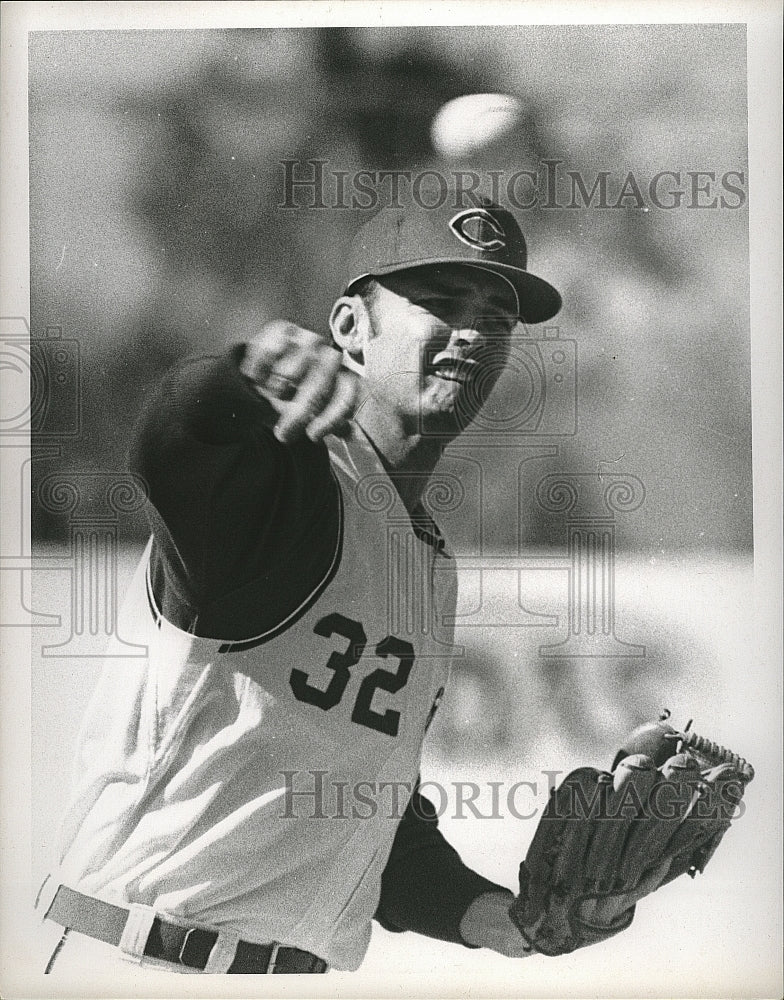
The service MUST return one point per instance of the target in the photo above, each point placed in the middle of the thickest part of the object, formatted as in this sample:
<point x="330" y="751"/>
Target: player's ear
<point x="350" y="324"/>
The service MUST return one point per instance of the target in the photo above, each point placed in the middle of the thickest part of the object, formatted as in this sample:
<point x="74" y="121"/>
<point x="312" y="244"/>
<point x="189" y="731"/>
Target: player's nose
<point x="464" y="336"/>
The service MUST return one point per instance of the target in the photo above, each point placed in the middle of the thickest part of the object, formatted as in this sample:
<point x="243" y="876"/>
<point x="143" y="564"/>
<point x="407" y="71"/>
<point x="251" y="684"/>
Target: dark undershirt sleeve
<point x="244" y="526"/>
<point x="425" y="886"/>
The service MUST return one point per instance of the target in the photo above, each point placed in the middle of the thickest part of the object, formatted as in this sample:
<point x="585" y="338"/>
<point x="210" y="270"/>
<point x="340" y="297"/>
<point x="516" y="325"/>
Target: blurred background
<point x="156" y="182"/>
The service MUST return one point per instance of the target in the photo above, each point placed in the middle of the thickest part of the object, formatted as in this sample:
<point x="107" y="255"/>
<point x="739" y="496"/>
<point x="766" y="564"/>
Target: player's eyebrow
<point x="503" y="300"/>
<point x="447" y="286"/>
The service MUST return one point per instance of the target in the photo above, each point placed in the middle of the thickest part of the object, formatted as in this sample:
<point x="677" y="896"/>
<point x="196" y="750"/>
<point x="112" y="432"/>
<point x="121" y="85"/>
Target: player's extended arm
<point x="230" y="503"/>
<point x="426" y="888"/>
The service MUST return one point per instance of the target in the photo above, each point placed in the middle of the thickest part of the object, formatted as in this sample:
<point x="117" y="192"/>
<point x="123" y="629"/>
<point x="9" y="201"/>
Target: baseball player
<point x="290" y="641"/>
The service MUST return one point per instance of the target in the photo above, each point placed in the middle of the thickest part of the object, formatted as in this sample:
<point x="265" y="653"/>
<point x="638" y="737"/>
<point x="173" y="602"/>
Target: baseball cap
<point x="482" y="235"/>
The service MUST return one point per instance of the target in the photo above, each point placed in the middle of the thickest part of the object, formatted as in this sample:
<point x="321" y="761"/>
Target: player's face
<point x="440" y="340"/>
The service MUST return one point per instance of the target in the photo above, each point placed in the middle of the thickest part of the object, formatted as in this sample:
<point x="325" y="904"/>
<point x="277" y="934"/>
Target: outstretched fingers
<point x="303" y="380"/>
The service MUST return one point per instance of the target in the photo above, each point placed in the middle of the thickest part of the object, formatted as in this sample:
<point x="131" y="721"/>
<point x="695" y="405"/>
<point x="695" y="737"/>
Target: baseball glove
<point x="607" y="839"/>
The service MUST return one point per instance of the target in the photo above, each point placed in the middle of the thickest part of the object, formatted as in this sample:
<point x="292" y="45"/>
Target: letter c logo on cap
<point x="477" y="228"/>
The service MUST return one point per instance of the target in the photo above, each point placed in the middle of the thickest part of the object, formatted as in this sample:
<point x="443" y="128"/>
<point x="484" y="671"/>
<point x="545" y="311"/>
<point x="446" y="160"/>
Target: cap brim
<point x="539" y="301"/>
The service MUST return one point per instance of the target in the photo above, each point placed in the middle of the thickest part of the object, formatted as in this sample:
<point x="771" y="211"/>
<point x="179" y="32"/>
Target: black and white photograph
<point x="391" y="500"/>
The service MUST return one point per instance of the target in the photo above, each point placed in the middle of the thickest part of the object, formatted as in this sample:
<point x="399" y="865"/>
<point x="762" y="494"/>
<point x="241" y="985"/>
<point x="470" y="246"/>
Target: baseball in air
<point x="474" y="123"/>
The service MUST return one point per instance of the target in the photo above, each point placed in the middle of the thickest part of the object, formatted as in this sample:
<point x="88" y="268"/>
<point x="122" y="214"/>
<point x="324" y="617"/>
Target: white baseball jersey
<point x="190" y="761"/>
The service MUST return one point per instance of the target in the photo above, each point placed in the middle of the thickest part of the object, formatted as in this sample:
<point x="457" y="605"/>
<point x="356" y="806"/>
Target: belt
<point x="189" y="946"/>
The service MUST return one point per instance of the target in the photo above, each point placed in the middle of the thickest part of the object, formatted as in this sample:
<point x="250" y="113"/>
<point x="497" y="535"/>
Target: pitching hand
<point x="303" y="379"/>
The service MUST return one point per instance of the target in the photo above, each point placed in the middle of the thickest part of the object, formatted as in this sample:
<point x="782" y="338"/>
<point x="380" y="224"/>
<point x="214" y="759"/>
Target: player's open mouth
<point x="451" y="368"/>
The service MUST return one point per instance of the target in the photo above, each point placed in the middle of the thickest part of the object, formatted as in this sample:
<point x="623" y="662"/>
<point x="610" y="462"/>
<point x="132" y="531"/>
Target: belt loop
<point x="136" y="931"/>
<point x="223" y="952"/>
<point x="45" y="897"/>
<point x="273" y="957"/>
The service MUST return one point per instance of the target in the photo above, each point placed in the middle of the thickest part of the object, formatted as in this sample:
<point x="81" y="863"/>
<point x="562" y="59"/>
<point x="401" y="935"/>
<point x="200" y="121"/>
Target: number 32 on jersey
<point x="399" y="652"/>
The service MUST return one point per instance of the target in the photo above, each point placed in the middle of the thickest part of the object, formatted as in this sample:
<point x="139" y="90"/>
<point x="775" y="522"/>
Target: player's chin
<point x="448" y="405"/>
